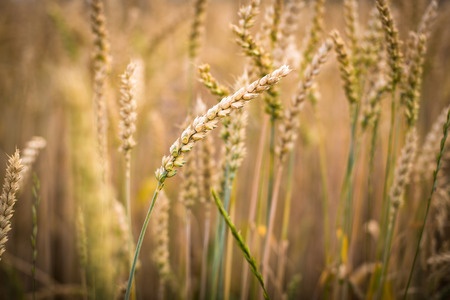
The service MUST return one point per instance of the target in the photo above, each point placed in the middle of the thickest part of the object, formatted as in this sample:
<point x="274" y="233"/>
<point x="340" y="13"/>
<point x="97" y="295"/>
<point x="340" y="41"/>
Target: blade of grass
<point x="433" y="189"/>
<point x="241" y="244"/>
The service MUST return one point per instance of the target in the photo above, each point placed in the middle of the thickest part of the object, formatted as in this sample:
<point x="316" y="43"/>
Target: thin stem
<point x="389" y="163"/>
<point x="229" y="256"/>
<point x="128" y="212"/>
<point x="205" y="252"/>
<point x="244" y="248"/>
<point x="325" y="196"/>
<point x="217" y="289"/>
<point x="253" y="201"/>
<point x="141" y="236"/>
<point x="386" y="254"/>
<point x="188" y="255"/>
<point x="433" y="189"/>
<point x="271" y="166"/>
<point x="270" y="227"/>
<point x="370" y="185"/>
<point x="347" y="193"/>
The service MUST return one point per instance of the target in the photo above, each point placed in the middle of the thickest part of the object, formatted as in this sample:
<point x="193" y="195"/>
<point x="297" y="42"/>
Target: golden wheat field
<point x="213" y="149"/>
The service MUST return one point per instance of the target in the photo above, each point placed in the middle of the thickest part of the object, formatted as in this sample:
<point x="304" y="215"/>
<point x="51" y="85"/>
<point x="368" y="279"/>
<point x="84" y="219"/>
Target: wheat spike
<point x="290" y="124"/>
<point x="11" y="185"/>
<point x="202" y="125"/>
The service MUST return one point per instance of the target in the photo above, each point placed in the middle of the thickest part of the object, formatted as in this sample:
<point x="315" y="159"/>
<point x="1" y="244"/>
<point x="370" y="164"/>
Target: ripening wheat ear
<point x="30" y="153"/>
<point x="11" y="185"/>
<point x="102" y="63"/>
<point x="314" y="34"/>
<point x="392" y="40"/>
<point x="346" y="68"/>
<point x="197" y="131"/>
<point x="290" y="124"/>
<point x="202" y="125"/>
<point x="197" y="28"/>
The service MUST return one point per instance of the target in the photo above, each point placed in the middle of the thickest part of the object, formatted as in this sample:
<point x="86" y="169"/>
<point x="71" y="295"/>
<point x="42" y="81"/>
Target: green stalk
<point x="256" y="186"/>
<point x="229" y="255"/>
<point x="34" y="208"/>
<point x="288" y="198"/>
<point x="241" y="244"/>
<point x="271" y="165"/>
<point x="205" y="251"/>
<point x="217" y="288"/>
<point x="347" y="189"/>
<point x="188" y="255"/>
<point x="389" y="163"/>
<point x="386" y="254"/>
<point x="433" y="189"/>
<point x="128" y="212"/>
<point x="325" y="196"/>
<point x="347" y="192"/>
<point x="370" y="195"/>
<point x="141" y="236"/>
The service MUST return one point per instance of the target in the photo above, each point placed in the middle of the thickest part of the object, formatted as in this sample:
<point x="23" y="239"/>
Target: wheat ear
<point x="11" y="185"/>
<point x="102" y="63"/>
<point x="30" y="153"/>
<point x="392" y="40"/>
<point x="202" y="125"/>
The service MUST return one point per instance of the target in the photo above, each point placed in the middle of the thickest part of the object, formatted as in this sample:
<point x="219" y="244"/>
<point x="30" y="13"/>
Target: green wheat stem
<point x="37" y="199"/>
<point x="188" y="287"/>
<point x="325" y="196"/>
<point x="128" y="212"/>
<point x="241" y="244"/>
<point x="288" y="197"/>
<point x="433" y="189"/>
<point x="142" y="234"/>
<point x="370" y="185"/>
<point x="204" y="271"/>
<point x="389" y="163"/>
<point x="387" y="252"/>
<point x="217" y="287"/>
<point x="347" y="190"/>
<point x="271" y="165"/>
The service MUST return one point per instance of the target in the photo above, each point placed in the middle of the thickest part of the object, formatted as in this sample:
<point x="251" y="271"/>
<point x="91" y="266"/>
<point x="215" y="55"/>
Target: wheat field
<point x="212" y="149"/>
